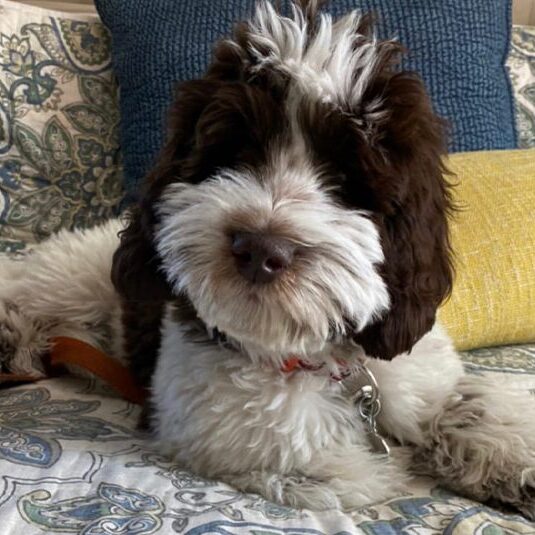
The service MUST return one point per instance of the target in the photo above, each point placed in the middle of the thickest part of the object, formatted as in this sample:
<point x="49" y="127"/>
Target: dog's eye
<point x="349" y="190"/>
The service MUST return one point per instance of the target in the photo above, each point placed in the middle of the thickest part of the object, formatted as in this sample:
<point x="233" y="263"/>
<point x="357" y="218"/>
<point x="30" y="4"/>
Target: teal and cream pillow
<point x="59" y="150"/>
<point x="521" y="64"/>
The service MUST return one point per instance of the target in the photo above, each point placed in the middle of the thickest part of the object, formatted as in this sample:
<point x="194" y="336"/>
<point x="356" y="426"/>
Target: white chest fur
<point x="218" y="413"/>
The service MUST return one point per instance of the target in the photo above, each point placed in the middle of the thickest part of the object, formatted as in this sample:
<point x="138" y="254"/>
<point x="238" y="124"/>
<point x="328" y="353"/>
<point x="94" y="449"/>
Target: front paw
<point x="482" y="445"/>
<point x="500" y="483"/>
<point x="518" y="493"/>
<point x="22" y="342"/>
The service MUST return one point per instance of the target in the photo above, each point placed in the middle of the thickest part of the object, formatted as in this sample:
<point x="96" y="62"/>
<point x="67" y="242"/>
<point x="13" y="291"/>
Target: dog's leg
<point x="345" y="479"/>
<point x="481" y="443"/>
<point x="413" y="385"/>
<point x="468" y="433"/>
<point x="23" y="341"/>
<point x="62" y="288"/>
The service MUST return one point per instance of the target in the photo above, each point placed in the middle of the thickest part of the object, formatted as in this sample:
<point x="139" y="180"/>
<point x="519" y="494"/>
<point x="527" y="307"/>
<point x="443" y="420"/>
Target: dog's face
<point x="300" y="199"/>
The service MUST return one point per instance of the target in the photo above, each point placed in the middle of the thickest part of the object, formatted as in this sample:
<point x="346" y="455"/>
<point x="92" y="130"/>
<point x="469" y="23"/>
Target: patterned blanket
<point x="72" y="462"/>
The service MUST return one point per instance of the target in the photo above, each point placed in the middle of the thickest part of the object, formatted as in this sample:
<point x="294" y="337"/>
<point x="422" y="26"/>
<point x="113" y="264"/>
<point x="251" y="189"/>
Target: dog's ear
<point x="136" y="270"/>
<point x="410" y="187"/>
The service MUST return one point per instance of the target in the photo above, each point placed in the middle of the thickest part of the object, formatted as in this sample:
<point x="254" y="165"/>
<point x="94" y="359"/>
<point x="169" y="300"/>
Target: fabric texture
<point x="72" y="462"/>
<point x="59" y="143"/>
<point x="493" y="236"/>
<point x="458" y="47"/>
<point x="521" y="65"/>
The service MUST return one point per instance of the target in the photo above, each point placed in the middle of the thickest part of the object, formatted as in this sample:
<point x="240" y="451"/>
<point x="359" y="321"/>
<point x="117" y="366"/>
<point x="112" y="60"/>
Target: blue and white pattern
<point x="521" y="64"/>
<point x="31" y="424"/>
<point x="72" y="462"/>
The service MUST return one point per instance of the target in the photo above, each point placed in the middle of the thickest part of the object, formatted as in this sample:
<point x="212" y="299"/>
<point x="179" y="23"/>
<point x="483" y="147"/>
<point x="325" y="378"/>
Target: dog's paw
<point x="497" y="482"/>
<point x="518" y="493"/>
<point x="526" y="504"/>
<point x="482" y="445"/>
<point x="22" y="342"/>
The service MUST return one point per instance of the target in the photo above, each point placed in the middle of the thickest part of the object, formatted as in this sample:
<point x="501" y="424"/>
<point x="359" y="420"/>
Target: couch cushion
<point x="73" y="463"/>
<point x="59" y="148"/>
<point x="493" y="236"/>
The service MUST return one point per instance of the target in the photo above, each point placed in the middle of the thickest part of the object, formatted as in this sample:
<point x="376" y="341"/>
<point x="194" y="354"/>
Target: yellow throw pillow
<point x="493" y="237"/>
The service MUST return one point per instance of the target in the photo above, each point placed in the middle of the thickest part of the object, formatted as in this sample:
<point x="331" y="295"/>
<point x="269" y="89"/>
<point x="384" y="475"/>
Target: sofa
<point x="72" y="459"/>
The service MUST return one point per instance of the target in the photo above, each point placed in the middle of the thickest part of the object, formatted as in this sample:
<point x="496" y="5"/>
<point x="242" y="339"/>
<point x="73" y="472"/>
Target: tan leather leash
<point x="17" y="378"/>
<point x="67" y="350"/>
<point x="71" y="351"/>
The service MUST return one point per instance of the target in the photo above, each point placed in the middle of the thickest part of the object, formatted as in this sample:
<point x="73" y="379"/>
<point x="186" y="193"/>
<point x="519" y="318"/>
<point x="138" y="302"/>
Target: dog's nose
<point x="261" y="258"/>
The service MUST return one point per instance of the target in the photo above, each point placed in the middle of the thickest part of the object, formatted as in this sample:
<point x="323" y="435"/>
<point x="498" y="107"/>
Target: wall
<point x="63" y="5"/>
<point x="523" y="10"/>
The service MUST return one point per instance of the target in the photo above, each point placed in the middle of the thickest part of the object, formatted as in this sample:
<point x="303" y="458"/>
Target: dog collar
<point x="366" y="396"/>
<point x="293" y="364"/>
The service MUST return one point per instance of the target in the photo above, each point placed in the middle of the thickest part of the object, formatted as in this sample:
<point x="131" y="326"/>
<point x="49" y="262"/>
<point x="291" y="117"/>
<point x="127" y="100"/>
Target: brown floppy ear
<point x="143" y="291"/>
<point x="415" y="196"/>
<point x="136" y="269"/>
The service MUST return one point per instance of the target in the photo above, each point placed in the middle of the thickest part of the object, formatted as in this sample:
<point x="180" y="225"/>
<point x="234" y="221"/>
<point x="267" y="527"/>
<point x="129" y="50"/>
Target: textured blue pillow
<point x="459" y="47"/>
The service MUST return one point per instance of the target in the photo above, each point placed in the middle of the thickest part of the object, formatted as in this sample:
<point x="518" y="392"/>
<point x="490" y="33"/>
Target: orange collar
<point x="293" y="364"/>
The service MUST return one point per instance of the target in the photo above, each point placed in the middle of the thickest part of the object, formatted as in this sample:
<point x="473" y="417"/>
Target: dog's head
<point x="300" y="198"/>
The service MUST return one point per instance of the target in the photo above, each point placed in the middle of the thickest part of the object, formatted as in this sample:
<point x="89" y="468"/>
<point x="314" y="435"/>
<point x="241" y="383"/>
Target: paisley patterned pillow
<point x="59" y="151"/>
<point x="521" y="64"/>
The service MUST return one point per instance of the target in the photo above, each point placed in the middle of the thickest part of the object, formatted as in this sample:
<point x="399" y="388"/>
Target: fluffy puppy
<point x="291" y="241"/>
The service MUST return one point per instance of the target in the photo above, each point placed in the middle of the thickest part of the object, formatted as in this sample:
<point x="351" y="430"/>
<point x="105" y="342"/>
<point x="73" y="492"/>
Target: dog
<point x="277" y="283"/>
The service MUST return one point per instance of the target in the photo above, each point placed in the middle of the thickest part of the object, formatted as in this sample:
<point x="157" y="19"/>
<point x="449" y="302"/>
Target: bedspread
<point x="71" y="461"/>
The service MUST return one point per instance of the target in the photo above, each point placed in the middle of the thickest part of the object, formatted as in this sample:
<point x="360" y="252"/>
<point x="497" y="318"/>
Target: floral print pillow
<point x="521" y="64"/>
<point x="59" y="141"/>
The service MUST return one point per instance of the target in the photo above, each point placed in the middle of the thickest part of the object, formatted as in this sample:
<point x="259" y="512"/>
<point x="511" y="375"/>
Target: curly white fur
<point x="336" y="271"/>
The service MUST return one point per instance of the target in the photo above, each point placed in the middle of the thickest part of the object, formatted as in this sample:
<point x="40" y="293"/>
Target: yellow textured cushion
<point x="493" y="300"/>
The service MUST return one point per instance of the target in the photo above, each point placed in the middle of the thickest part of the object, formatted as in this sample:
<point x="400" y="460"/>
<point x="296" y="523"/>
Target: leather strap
<point x="18" y="378"/>
<point x="293" y="364"/>
<point x="71" y="351"/>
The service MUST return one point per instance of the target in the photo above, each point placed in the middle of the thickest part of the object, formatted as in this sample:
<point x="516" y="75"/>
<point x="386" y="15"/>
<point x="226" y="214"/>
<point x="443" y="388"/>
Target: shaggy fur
<point x="304" y="130"/>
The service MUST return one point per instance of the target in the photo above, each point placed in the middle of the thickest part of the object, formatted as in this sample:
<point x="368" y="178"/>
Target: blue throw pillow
<point x="459" y="48"/>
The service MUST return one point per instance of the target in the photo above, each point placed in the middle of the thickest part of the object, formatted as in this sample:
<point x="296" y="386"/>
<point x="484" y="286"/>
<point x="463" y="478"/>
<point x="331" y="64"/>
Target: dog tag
<point x="368" y="404"/>
<point x="378" y="443"/>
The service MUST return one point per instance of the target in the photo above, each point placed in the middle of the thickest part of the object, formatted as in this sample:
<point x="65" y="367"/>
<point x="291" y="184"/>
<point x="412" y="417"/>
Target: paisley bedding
<point x="71" y="461"/>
